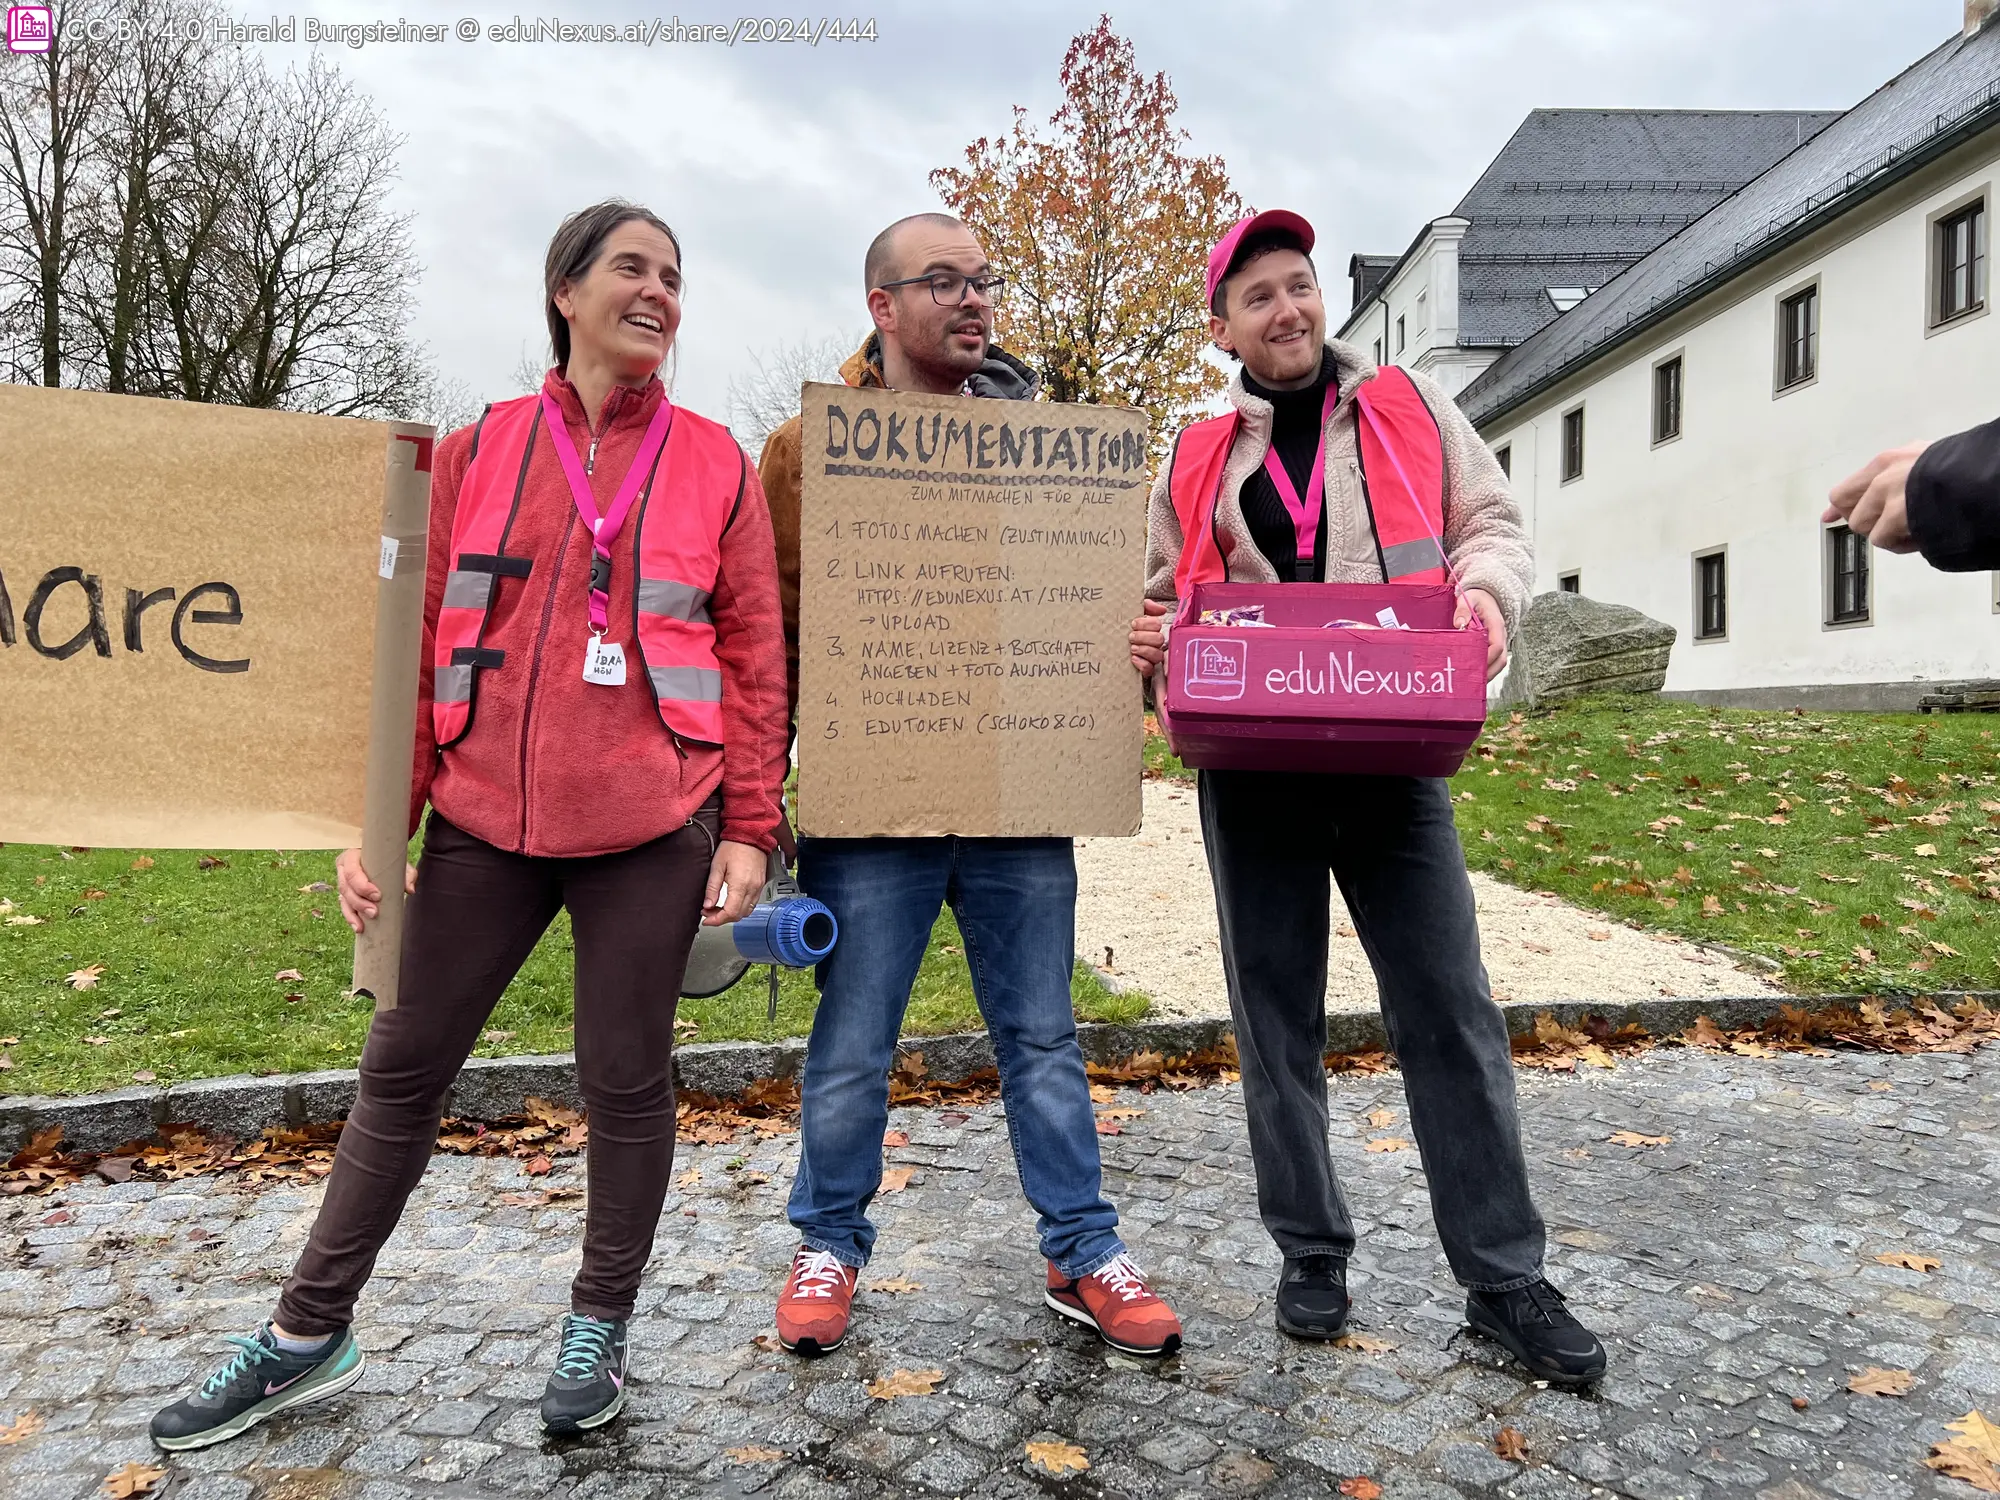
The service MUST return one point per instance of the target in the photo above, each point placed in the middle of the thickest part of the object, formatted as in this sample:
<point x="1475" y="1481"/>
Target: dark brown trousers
<point x="474" y="918"/>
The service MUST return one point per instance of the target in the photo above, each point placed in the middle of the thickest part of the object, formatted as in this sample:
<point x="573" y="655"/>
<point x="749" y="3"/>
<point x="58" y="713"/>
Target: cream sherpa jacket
<point x="1483" y="535"/>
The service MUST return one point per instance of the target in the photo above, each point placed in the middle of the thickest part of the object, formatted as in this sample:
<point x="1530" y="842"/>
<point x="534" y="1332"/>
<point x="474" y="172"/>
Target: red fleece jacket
<point x="558" y="767"/>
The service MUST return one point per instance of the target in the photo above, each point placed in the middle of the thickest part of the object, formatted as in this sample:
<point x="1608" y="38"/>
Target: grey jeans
<point x="1389" y="841"/>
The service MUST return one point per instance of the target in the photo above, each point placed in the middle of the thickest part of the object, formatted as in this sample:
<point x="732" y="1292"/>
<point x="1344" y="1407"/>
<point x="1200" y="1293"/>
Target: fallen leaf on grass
<point x="1363" y="1344"/>
<point x="1975" y="1457"/>
<point x="1907" y="1260"/>
<point x="1361" y="1487"/>
<point x="95" y="1041"/>
<point x="895" y="1138"/>
<point x="24" y="921"/>
<point x="210" y="862"/>
<point x="895" y="1179"/>
<point x="1388" y="1143"/>
<point x="1508" y="1442"/>
<point x="1057" y="1458"/>
<point x="145" y="1075"/>
<point x="22" y="1428"/>
<point x="143" y="862"/>
<point x="905" y="1383"/>
<point x="1925" y="851"/>
<point x="497" y="1036"/>
<point x="751" y="1455"/>
<point x="896" y="1285"/>
<point x="315" y="885"/>
<point x="84" y="979"/>
<point x="289" y="976"/>
<point x="1869" y="919"/>
<point x="1635" y="1140"/>
<point x="1875" y="1381"/>
<point x="93" y="895"/>
<point x="133" y="1479"/>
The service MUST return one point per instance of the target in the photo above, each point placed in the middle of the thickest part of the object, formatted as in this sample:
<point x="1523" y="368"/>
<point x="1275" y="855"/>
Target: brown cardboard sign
<point x="969" y="571"/>
<point x="191" y="654"/>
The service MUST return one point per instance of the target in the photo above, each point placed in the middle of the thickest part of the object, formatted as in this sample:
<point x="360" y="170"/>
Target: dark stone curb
<point x="494" y="1088"/>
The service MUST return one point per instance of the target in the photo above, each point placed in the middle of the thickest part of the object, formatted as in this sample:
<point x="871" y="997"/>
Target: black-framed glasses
<point x="948" y="288"/>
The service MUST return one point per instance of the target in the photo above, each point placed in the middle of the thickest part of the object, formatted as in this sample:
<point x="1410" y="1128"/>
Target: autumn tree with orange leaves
<point x="1102" y="224"/>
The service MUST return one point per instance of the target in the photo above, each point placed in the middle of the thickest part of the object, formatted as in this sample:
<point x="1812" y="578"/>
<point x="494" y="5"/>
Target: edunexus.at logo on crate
<point x="30" y="28"/>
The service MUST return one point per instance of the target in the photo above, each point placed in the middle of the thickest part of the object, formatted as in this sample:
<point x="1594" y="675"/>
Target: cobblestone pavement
<point x="1733" y="1271"/>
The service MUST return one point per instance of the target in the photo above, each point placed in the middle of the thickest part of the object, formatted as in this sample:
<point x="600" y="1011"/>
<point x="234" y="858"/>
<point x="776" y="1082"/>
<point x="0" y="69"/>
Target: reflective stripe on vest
<point x="674" y="559"/>
<point x="1402" y="479"/>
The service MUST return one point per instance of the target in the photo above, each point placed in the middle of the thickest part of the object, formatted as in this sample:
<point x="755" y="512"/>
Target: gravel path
<point x="1147" y="900"/>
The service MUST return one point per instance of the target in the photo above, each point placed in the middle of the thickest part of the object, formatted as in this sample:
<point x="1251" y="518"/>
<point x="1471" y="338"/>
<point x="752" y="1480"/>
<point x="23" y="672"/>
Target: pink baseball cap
<point x="1224" y="253"/>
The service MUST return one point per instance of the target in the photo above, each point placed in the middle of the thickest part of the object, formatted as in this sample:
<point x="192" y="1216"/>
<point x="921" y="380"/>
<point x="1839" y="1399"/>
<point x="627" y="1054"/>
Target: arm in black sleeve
<point x="1953" y="497"/>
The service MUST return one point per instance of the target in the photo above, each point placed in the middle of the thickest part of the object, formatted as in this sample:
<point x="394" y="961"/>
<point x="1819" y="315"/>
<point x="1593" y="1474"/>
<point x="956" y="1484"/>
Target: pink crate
<point x="1298" y="695"/>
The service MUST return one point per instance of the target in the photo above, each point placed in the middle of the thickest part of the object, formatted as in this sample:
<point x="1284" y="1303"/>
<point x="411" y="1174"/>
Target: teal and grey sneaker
<point x="260" y="1381"/>
<point x="587" y="1386"/>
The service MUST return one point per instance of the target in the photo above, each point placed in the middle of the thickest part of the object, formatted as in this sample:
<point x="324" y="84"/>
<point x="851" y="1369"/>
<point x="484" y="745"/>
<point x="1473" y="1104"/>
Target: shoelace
<point x="816" y="1273"/>
<point x="1121" y="1278"/>
<point x="585" y="1342"/>
<point x="251" y="1352"/>
<point x="1547" y="1301"/>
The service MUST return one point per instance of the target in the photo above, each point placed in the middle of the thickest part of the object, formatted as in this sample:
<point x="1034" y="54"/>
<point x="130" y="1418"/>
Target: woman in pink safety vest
<point x="603" y="729"/>
<point x="1331" y="469"/>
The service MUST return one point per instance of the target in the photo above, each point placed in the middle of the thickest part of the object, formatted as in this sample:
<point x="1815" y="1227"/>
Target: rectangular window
<point x="1570" y="583"/>
<point x="1711" y="595"/>
<point x="1961" y="262"/>
<point x="1506" y="458"/>
<point x="1572" y="445"/>
<point x="1847" y="576"/>
<point x="1798" y="338"/>
<point x="1402" y="343"/>
<point x="1667" y="400"/>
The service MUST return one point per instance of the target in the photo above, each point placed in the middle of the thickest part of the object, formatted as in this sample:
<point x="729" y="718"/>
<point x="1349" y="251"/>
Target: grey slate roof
<point x="1580" y="194"/>
<point x="1577" y="195"/>
<point x="1953" y="92"/>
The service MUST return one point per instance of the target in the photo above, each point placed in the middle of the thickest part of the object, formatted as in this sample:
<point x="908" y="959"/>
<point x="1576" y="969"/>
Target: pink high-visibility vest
<point x="672" y="543"/>
<point x="1402" y="480"/>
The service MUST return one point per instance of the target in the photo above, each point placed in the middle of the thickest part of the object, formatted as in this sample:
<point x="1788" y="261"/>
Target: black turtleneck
<point x="1295" y="432"/>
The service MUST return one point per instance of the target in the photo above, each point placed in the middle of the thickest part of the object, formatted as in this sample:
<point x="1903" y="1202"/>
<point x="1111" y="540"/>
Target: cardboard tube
<point x="392" y="714"/>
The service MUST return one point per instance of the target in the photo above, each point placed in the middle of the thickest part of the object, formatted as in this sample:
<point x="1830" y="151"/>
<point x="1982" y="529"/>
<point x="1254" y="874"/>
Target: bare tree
<point x="177" y="221"/>
<point x="48" y="105"/>
<point x="768" y="396"/>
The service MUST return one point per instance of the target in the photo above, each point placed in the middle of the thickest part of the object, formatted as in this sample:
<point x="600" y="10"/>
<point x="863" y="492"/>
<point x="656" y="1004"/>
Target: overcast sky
<point x="777" y="163"/>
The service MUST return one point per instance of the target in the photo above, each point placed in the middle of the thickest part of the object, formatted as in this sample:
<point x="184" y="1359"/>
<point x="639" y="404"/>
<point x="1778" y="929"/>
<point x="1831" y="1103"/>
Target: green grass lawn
<point x="1857" y="850"/>
<point x="190" y="957"/>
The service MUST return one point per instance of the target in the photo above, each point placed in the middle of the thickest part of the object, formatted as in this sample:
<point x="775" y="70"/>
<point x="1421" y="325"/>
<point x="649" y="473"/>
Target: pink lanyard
<point x="604" y="529"/>
<point x="1304" y="513"/>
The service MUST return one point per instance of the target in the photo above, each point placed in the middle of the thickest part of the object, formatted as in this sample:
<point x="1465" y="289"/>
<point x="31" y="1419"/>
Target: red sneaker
<point x="813" y="1307"/>
<point x="1115" y="1300"/>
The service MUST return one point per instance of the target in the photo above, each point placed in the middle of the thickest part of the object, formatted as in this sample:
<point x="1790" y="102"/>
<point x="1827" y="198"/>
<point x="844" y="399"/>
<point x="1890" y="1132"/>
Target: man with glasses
<point x="931" y="293"/>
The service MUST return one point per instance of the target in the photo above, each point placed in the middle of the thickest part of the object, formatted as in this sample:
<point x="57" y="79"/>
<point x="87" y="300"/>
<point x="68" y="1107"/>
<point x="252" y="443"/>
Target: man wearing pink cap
<point x="1330" y="469"/>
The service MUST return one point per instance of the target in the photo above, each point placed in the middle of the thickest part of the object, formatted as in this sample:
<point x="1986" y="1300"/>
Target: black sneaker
<point x="260" y="1381"/>
<point x="1312" y="1297"/>
<point x="1532" y="1323"/>
<point x="587" y="1386"/>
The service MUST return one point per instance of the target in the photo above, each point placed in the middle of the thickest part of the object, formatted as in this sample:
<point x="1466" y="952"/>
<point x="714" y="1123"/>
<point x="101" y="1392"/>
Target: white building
<point x="1673" y="437"/>
<point x="1574" y="198"/>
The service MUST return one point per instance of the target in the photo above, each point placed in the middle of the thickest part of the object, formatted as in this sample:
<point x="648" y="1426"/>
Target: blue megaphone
<point x="793" y="931"/>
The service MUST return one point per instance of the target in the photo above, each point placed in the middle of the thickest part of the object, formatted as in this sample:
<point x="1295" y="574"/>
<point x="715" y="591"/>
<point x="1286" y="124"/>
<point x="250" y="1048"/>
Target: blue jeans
<point x="1015" y="900"/>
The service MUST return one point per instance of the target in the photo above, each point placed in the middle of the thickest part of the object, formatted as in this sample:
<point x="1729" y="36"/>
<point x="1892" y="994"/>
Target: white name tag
<point x="604" y="663"/>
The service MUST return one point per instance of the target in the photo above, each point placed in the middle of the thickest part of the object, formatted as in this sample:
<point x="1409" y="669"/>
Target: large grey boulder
<point x="1568" y="646"/>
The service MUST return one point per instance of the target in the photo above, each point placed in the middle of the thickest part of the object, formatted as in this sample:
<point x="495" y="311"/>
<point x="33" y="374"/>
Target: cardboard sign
<point x="969" y="573"/>
<point x="1364" y="679"/>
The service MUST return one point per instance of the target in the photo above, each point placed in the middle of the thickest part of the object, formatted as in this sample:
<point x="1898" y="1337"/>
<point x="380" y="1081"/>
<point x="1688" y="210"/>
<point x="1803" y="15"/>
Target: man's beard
<point x="947" y="361"/>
